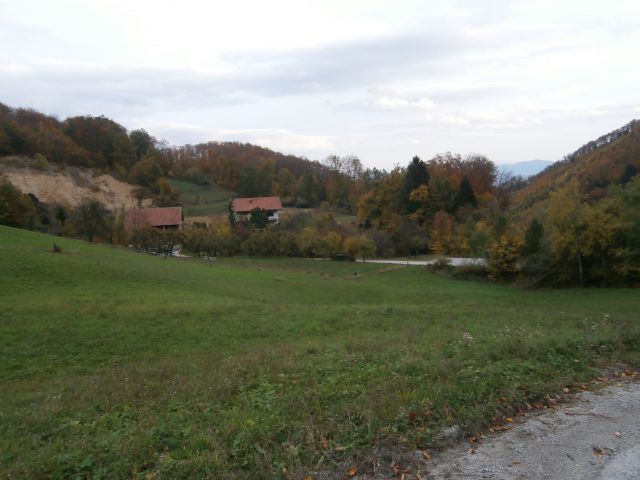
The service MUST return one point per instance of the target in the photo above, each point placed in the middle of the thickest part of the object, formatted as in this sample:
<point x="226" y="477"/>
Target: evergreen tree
<point x="465" y="195"/>
<point x="259" y="218"/>
<point x="415" y="175"/>
<point x="533" y="238"/>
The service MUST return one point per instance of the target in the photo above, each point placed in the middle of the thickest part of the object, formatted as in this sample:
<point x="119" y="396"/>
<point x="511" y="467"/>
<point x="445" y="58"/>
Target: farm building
<point x="242" y="207"/>
<point x="169" y="218"/>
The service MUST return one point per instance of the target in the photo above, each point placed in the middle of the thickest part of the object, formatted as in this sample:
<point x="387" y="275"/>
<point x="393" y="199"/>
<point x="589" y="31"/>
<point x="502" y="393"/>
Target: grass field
<point x="122" y="366"/>
<point x="201" y="200"/>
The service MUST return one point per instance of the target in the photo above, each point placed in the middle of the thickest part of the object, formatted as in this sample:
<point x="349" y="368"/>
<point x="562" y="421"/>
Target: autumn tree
<point x="146" y="172"/>
<point x="285" y="184"/>
<point x="90" y="218"/>
<point x="16" y="209"/>
<point x="442" y="233"/>
<point x="360" y="246"/>
<point x="504" y="256"/>
<point x="105" y="140"/>
<point x="142" y="142"/>
<point x="416" y="175"/>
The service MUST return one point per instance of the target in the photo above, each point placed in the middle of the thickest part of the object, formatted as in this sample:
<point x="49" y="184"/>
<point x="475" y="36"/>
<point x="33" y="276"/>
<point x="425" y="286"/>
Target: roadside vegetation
<point x="120" y="365"/>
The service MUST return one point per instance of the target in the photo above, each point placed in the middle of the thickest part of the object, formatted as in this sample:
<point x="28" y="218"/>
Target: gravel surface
<point x="595" y="435"/>
<point x="453" y="261"/>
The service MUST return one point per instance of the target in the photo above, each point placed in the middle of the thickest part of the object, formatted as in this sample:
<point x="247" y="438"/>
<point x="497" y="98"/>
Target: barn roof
<point x="154" y="217"/>
<point x="245" y="205"/>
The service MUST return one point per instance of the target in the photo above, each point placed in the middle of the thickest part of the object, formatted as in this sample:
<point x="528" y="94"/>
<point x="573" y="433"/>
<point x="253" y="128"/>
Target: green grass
<point x="121" y="365"/>
<point x="201" y="200"/>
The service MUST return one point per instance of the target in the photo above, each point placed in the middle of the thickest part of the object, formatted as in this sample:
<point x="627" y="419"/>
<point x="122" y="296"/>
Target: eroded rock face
<point x="72" y="186"/>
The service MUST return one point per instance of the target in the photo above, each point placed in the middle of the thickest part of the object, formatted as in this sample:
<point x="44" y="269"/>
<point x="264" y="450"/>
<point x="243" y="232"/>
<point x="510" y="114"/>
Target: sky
<point x="383" y="80"/>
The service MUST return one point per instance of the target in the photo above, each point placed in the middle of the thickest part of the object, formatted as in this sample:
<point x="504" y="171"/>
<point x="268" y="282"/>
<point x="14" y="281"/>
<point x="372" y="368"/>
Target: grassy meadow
<point x="119" y="365"/>
<point x="201" y="200"/>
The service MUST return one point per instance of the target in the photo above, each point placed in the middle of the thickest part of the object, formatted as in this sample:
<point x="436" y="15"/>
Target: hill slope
<point x="121" y="365"/>
<point x="612" y="158"/>
<point x="201" y="200"/>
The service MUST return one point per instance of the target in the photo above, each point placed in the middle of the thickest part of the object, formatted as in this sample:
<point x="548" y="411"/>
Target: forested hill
<point x="99" y="142"/>
<point x="107" y="147"/>
<point x="612" y="159"/>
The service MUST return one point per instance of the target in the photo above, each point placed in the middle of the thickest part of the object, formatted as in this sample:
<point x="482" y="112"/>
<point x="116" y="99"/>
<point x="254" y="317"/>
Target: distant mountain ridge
<point x="527" y="168"/>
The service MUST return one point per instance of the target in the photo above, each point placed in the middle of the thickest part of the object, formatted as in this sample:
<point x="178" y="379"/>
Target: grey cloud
<point x="253" y="74"/>
<point x="356" y="64"/>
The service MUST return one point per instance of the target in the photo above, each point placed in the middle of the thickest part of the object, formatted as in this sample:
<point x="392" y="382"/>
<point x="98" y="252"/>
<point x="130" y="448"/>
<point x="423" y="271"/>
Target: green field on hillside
<point x="120" y="365"/>
<point x="201" y="200"/>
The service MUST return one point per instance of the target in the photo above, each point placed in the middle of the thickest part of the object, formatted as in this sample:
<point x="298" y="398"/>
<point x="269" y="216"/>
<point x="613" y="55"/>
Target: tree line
<point x="566" y="232"/>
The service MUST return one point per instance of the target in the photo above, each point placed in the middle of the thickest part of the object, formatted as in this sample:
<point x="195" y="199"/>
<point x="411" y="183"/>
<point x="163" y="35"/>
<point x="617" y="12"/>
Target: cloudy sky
<point x="384" y="80"/>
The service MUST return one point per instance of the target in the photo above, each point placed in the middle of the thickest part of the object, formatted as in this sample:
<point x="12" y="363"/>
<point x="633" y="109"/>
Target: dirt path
<point x="594" y="436"/>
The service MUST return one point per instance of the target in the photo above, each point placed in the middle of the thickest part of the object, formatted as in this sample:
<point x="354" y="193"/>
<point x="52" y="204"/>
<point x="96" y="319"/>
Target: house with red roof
<point x="164" y="218"/>
<point x="242" y="207"/>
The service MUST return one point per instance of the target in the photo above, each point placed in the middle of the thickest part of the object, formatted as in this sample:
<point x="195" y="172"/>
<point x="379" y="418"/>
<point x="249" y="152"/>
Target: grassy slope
<point x="120" y="365"/>
<point x="201" y="200"/>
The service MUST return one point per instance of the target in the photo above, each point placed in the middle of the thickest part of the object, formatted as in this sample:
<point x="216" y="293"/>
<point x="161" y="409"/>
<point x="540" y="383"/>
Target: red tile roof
<point x="245" y="205"/>
<point x="154" y="217"/>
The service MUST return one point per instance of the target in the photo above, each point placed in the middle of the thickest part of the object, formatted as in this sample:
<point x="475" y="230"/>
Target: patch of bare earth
<point x="72" y="186"/>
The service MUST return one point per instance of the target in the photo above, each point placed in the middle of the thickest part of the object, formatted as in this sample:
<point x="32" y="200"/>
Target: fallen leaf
<point x="516" y="462"/>
<point x="499" y="428"/>
<point x="472" y="439"/>
<point x="308" y="478"/>
<point x="617" y="434"/>
<point x="426" y="455"/>
<point x="565" y="390"/>
<point x="599" y="452"/>
<point x="340" y="448"/>
<point x="352" y="471"/>
<point x="509" y="419"/>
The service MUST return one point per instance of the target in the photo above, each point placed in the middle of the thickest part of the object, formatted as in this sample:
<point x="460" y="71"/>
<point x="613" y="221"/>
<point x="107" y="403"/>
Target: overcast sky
<point x="384" y="80"/>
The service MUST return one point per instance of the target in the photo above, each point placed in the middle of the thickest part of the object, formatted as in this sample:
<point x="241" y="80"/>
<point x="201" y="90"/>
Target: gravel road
<point x="596" y="435"/>
<point x="453" y="261"/>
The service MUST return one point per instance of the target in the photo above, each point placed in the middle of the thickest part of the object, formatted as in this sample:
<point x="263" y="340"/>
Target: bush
<point x="40" y="162"/>
<point x="504" y="256"/>
<point x="16" y="209"/>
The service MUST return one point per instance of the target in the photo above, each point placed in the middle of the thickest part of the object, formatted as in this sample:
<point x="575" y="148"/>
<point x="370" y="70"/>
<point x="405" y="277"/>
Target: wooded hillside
<point x="576" y="222"/>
